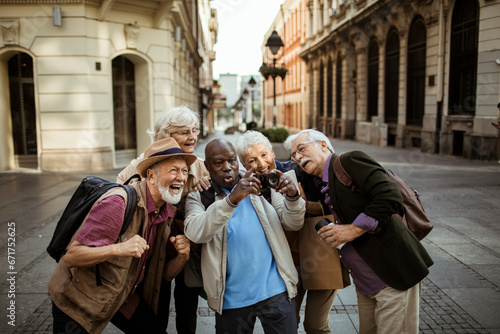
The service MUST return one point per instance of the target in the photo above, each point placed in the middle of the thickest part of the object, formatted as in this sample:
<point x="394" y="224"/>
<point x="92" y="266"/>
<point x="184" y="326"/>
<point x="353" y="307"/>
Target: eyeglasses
<point x="187" y="132"/>
<point x="301" y="149"/>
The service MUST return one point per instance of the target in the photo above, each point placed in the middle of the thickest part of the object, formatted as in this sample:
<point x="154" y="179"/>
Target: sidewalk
<point x="461" y="294"/>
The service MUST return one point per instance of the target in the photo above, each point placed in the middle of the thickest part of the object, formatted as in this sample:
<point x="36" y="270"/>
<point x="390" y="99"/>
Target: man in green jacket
<point x="386" y="261"/>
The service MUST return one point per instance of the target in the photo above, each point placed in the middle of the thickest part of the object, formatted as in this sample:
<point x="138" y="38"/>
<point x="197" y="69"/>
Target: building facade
<point x="83" y="80"/>
<point x="406" y="73"/>
<point x="291" y="104"/>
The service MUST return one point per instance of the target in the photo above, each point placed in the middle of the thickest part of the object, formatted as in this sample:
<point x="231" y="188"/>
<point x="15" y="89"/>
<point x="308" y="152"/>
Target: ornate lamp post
<point x="252" y="84"/>
<point x="274" y="43"/>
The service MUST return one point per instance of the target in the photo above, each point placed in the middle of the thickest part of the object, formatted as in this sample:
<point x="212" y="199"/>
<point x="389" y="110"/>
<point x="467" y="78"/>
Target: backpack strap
<point x="130" y="208"/>
<point x="127" y="219"/>
<point x="135" y="176"/>
<point x="342" y="175"/>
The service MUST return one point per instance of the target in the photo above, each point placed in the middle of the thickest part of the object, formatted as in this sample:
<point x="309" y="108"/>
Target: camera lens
<point x="273" y="180"/>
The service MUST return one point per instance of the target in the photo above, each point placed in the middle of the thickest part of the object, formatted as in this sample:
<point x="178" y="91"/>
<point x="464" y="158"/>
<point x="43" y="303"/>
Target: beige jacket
<point x="209" y="227"/>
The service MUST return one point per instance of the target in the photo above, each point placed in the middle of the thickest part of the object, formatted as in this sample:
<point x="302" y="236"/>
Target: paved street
<point x="462" y="197"/>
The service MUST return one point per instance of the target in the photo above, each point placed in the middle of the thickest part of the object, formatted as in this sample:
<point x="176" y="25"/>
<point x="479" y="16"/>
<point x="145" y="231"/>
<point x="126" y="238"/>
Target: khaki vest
<point x="75" y="292"/>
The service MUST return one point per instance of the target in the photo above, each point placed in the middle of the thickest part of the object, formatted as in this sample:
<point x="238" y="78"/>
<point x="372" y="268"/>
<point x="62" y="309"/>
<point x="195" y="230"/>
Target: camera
<point x="324" y="222"/>
<point x="321" y="223"/>
<point x="268" y="180"/>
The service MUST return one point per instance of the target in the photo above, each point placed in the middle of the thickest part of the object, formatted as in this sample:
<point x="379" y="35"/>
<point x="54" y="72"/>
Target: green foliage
<point x="277" y="135"/>
<point x="272" y="71"/>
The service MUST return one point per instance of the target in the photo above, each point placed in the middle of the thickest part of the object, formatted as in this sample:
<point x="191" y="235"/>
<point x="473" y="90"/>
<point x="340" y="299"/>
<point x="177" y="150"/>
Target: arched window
<point x="338" y="87"/>
<point x="124" y="105"/>
<point x="373" y="60"/>
<point x="321" y="90"/>
<point x="392" y="77"/>
<point x="329" y="89"/>
<point x="22" y="109"/>
<point x="463" y="60"/>
<point x="415" y="87"/>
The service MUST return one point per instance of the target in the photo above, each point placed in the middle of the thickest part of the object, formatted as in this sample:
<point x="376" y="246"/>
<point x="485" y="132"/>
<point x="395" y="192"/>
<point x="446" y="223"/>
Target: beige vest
<point x="75" y="292"/>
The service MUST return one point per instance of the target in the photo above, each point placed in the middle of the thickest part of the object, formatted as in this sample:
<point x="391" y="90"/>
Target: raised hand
<point x="248" y="184"/>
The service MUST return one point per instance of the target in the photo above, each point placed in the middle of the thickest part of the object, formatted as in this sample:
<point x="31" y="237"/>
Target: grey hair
<point x="248" y="139"/>
<point x="171" y="119"/>
<point x="313" y="135"/>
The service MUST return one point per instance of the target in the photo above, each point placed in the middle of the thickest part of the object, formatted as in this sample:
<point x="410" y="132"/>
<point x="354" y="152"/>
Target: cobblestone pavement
<point x="460" y="295"/>
<point x="438" y="314"/>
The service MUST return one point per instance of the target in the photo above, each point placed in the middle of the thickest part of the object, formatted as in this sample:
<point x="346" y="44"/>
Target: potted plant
<point x="272" y="71"/>
<point x="277" y="136"/>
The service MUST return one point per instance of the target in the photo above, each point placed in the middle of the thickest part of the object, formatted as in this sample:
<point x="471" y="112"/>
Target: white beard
<point x="167" y="196"/>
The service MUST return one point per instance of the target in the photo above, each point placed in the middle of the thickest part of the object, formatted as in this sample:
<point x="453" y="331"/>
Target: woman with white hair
<point x="182" y="124"/>
<point x="255" y="149"/>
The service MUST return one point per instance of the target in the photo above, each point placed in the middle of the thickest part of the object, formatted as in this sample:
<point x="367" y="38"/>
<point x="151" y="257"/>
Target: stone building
<point x="291" y="104"/>
<point x="405" y="73"/>
<point x="81" y="81"/>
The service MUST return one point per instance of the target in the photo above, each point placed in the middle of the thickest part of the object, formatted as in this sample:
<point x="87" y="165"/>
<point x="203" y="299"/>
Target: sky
<point x="242" y="26"/>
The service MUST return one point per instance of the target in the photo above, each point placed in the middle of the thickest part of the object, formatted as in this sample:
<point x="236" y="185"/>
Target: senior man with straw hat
<point x="132" y="264"/>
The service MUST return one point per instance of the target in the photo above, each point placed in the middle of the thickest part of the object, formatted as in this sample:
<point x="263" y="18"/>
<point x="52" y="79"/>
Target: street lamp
<point x="244" y="97"/>
<point x="274" y="43"/>
<point x="252" y="84"/>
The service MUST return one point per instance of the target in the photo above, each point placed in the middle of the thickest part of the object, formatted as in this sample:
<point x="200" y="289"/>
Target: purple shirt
<point x="365" y="279"/>
<point x="103" y="228"/>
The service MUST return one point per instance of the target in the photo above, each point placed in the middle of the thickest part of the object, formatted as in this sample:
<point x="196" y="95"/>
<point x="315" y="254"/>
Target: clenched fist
<point x="182" y="245"/>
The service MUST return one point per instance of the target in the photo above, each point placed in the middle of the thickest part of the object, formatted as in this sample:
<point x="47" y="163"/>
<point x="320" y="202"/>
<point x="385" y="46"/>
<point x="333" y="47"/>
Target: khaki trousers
<point x="390" y="311"/>
<point x="317" y="309"/>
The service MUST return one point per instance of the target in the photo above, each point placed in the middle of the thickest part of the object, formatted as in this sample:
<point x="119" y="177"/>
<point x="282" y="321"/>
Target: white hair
<point x="171" y="119"/>
<point x="313" y="135"/>
<point x="248" y="139"/>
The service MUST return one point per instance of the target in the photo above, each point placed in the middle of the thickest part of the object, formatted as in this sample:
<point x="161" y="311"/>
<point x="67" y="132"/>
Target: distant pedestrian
<point x="182" y="124"/>
<point x="386" y="261"/>
<point x="247" y="266"/>
<point x="131" y="265"/>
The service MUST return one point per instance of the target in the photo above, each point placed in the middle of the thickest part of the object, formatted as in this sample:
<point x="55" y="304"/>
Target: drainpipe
<point x="440" y="74"/>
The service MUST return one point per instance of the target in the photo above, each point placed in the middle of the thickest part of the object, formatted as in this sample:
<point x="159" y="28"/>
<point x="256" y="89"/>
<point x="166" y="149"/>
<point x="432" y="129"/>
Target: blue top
<point x="251" y="274"/>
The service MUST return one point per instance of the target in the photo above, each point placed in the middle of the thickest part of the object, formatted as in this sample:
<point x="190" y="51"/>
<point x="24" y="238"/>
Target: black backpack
<point x="89" y="190"/>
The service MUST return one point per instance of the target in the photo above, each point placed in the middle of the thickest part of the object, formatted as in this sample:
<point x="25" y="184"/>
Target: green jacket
<point x="392" y="251"/>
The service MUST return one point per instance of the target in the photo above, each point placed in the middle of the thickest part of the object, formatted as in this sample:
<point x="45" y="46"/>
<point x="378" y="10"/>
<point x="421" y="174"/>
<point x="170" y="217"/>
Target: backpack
<point x="90" y="189"/>
<point x="413" y="215"/>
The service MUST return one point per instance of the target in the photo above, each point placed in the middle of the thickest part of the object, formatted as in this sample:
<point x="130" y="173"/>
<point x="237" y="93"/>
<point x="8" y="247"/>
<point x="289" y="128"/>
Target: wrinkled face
<point x="222" y="164"/>
<point x="261" y="156"/>
<point x="310" y="156"/>
<point x="186" y="137"/>
<point x="166" y="180"/>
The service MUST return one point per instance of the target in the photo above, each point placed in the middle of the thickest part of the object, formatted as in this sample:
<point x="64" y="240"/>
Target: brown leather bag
<point x="414" y="216"/>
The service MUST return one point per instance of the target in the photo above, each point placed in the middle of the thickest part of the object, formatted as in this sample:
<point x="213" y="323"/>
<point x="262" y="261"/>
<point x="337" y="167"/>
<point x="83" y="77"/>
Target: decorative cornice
<point x="50" y="2"/>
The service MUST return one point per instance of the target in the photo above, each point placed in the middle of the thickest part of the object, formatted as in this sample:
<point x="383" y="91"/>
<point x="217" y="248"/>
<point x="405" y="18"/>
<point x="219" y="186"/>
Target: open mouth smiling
<point x="176" y="187"/>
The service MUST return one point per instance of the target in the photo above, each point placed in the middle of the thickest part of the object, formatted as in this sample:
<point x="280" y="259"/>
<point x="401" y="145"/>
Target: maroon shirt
<point x="103" y="228"/>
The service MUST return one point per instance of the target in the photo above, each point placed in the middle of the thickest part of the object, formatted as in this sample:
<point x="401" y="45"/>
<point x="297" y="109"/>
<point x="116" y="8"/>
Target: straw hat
<point x="160" y="150"/>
